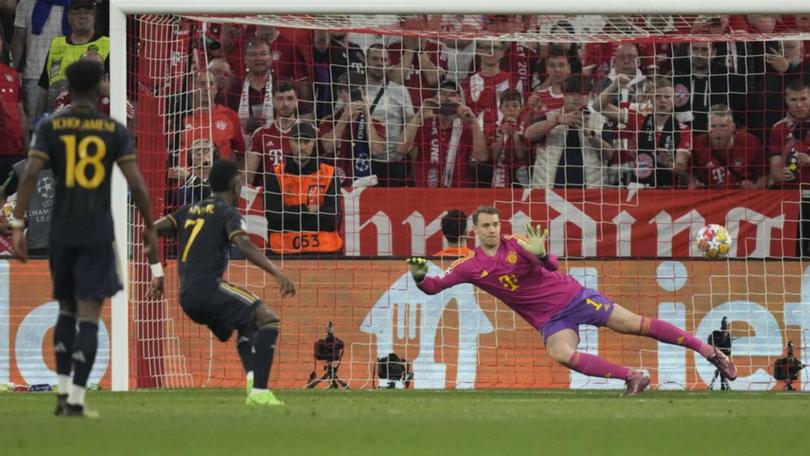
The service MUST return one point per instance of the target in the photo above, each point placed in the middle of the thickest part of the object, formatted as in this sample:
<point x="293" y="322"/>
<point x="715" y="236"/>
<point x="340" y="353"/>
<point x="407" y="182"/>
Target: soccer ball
<point x="713" y="241"/>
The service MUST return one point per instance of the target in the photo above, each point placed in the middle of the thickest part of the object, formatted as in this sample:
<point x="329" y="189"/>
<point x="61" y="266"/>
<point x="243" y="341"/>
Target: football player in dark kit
<point x="82" y="145"/>
<point x="205" y="232"/>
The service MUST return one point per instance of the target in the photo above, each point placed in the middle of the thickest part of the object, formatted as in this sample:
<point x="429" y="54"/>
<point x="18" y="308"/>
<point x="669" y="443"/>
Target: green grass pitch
<point x="198" y="422"/>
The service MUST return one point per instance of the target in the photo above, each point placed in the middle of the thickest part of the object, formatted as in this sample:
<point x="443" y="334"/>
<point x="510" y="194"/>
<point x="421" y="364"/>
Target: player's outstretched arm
<point x="161" y="228"/>
<point x="24" y="191"/>
<point x="433" y="285"/>
<point x="418" y="267"/>
<point x="285" y="285"/>
<point x="165" y="226"/>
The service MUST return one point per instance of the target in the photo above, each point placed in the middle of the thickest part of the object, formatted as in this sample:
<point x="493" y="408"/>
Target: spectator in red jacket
<point x="14" y="138"/>
<point x="789" y="144"/>
<point x="550" y="94"/>
<point x="211" y="121"/>
<point x="507" y="141"/>
<point x="444" y="141"/>
<point x="725" y="157"/>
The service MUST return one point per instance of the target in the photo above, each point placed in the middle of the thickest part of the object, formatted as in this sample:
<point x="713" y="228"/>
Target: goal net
<point x="624" y="135"/>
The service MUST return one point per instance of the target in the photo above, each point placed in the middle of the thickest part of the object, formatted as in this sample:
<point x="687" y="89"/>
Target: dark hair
<point x="563" y="26"/>
<point x="454" y="225"/>
<point x="484" y="210"/>
<point x="84" y="75"/>
<point x="798" y="84"/>
<point x="576" y="83"/>
<point x="348" y="81"/>
<point x="449" y="84"/>
<point x="284" y="86"/>
<point x="511" y="95"/>
<point x="222" y="174"/>
<point x="555" y="50"/>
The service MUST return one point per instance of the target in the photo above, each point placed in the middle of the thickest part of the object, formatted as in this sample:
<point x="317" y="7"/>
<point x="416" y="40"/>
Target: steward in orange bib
<point x="302" y="199"/>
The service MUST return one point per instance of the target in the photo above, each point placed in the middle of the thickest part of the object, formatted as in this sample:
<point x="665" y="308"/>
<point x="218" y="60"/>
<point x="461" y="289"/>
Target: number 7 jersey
<point x="204" y="234"/>
<point x="81" y="145"/>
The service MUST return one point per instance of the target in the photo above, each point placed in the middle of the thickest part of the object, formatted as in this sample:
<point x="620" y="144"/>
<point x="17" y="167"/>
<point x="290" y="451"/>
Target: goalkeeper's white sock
<point x="63" y="384"/>
<point x="76" y="395"/>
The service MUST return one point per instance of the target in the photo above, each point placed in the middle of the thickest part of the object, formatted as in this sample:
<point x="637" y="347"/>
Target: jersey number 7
<point x="196" y="226"/>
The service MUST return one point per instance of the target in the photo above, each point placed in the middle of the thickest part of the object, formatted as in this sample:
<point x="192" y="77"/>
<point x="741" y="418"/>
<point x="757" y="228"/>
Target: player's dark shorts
<point x="589" y="307"/>
<point x="86" y="272"/>
<point x="224" y="310"/>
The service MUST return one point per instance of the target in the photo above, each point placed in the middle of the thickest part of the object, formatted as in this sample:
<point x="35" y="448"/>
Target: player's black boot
<point x="61" y="403"/>
<point x="78" y="411"/>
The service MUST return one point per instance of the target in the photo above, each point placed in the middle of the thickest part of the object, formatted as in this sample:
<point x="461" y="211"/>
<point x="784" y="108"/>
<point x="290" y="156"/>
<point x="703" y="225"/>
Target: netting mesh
<point x="533" y="28"/>
<point x="563" y="121"/>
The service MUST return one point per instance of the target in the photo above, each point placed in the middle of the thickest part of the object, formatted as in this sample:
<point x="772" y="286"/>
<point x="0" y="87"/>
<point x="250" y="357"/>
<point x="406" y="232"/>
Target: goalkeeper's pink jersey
<point x="532" y="288"/>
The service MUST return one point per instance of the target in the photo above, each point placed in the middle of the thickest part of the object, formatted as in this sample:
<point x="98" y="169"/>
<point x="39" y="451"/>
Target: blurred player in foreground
<point x="520" y="272"/>
<point x="205" y="232"/>
<point x="82" y="145"/>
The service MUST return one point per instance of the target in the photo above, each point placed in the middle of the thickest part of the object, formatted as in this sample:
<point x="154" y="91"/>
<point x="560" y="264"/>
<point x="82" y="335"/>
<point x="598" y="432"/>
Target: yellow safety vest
<point x="62" y="54"/>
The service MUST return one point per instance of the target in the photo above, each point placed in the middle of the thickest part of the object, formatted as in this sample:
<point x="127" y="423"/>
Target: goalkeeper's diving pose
<point x="518" y="271"/>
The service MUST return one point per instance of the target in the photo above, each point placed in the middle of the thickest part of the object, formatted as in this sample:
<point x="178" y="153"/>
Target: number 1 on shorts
<point x="597" y="306"/>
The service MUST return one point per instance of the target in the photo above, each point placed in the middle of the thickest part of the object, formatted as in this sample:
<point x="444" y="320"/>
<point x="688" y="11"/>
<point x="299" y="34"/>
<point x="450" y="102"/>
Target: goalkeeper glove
<point x="535" y="242"/>
<point x="418" y="267"/>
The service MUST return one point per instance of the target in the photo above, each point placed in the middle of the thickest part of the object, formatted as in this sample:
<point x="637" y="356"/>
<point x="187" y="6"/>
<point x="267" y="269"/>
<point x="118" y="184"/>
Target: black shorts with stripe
<point x="224" y="310"/>
<point x="85" y="272"/>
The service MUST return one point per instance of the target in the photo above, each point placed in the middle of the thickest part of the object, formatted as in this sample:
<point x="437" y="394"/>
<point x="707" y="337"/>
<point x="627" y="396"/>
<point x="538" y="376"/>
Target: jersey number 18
<point x="76" y="170"/>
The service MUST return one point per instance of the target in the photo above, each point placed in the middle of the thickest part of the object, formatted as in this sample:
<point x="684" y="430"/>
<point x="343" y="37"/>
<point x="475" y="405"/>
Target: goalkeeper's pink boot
<point x="636" y="383"/>
<point x="723" y="364"/>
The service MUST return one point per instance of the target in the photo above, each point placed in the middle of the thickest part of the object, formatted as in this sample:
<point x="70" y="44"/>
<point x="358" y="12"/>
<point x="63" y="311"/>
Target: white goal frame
<point x="119" y="351"/>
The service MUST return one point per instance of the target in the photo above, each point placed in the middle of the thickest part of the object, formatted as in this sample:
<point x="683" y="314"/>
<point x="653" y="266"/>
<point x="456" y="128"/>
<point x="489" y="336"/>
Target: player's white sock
<point x="63" y="384"/>
<point x="249" y="376"/>
<point x="255" y="391"/>
<point x="76" y="395"/>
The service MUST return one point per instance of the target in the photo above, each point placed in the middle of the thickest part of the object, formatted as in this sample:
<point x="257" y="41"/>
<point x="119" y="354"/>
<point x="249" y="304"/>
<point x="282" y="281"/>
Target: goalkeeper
<point x="520" y="272"/>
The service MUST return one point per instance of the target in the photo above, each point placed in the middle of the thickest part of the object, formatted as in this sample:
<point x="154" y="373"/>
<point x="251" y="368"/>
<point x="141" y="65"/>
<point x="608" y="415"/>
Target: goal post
<point x="132" y="353"/>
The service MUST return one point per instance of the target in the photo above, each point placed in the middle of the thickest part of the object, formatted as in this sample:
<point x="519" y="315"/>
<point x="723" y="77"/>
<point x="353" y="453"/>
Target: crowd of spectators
<point x="413" y="111"/>
<point x="293" y="105"/>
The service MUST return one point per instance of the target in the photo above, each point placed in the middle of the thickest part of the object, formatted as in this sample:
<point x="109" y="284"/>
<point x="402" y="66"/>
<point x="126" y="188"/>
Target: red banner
<point x="582" y="223"/>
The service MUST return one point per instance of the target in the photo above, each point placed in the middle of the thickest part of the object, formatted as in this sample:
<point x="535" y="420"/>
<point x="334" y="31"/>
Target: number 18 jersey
<point x="82" y="145"/>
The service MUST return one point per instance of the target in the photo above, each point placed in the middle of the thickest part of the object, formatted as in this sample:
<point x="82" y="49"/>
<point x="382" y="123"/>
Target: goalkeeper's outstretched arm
<point x="433" y="285"/>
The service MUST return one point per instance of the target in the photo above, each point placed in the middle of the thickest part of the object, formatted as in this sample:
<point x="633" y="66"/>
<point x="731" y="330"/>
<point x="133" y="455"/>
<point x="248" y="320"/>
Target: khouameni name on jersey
<point x="75" y="123"/>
